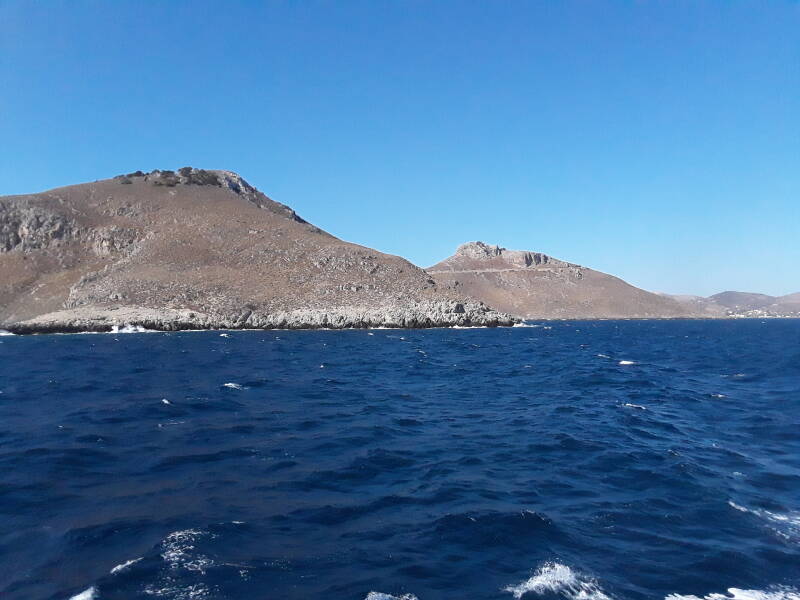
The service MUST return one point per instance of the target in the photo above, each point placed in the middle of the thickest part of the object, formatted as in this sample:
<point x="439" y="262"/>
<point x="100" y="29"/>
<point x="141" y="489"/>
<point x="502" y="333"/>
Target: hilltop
<point x="533" y="285"/>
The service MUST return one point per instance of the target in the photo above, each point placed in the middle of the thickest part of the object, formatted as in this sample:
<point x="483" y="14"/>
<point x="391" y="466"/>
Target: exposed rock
<point x="415" y="315"/>
<point x="169" y="244"/>
<point x="30" y="226"/>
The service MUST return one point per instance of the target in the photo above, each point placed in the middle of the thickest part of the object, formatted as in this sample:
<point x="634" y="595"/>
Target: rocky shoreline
<point x="413" y="316"/>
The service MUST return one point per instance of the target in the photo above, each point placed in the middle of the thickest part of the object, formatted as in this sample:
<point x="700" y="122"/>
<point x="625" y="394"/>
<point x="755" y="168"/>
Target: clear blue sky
<point x="658" y="141"/>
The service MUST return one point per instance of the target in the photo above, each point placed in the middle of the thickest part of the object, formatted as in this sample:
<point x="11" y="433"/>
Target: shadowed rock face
<point x="533" y="285"/>
<point x="197" y="248"/>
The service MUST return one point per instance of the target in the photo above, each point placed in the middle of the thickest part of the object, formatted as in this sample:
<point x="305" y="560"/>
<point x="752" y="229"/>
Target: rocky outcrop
<point x="414" y="316"/>
<point x="533" y="285"/>
<point x="478" y="255"/>
<point x="151" y="249"/>
<point x="28" y="226"/>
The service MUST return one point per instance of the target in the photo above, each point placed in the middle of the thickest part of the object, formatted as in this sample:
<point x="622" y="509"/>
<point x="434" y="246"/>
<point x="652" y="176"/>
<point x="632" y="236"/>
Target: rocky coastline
<point x="435" y="314"/>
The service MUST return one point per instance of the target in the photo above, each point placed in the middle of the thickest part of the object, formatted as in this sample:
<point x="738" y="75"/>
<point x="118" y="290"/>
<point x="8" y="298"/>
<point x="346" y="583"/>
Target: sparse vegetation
<point x="198" y="176"/>
<point x="166" y="178"/>
<point x="203" y="177"/>
<point x="185" y="175"/>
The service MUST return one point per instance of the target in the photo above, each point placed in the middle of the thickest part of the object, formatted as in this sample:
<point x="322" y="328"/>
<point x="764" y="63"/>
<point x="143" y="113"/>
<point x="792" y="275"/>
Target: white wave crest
<point x="556" y="578"/>
<point x="785" y="525"/>
<point x="772" y="593"/>
<point x="129" y="329"/>
<point x="639" y="406"/>
<point x="89" y="594"/>
<point x="382" y="596"/>
<point x="233" y="386"/>
<point x="627" y="362"/>
<point x="125" y="565"/>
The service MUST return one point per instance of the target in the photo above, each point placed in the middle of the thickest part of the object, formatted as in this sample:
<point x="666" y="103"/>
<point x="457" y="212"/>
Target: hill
<point x="744" y="304"/>
<point x="533" y="285"/>
<point x="199" y="249"/>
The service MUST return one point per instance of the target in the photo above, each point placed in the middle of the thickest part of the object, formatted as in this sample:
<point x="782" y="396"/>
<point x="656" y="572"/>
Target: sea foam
<point x="125" y="565"/>
<point x="129" y="329"/>
<point x="639" y="406"/>
<point x="772" y="593"/>
<point x="785" y="525"/>
<point x="555" y="578"/>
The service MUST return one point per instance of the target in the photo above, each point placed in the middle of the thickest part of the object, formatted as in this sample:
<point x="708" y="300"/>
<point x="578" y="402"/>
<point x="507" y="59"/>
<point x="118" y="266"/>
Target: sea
<point x="572" y="460"/>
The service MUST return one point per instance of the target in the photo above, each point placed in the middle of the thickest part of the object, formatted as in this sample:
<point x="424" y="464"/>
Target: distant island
<point x="203" y="249"/>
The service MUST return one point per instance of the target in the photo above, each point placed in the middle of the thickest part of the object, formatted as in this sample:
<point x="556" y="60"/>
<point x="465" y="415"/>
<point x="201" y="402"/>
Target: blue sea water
<point x="565" y="460"/>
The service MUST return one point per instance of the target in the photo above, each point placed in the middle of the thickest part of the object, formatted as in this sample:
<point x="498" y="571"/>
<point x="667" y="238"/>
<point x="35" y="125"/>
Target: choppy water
<point x="583" y="460"/>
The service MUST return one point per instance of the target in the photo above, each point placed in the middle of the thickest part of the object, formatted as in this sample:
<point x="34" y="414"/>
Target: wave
<point x="130" y="329"/>
<point x="772" y="593"/>
<point x="491" y="529"/>
<point x="382" y="596"/>
<point x="90" y="594"/>
<point x="627" y="362"/>
<point x="125" y="565"/>
<point x="233" y="386"/>
<point x="786" y="525"/>
<point x="178" y="551"/>
<point x="183" y="566"/>
<point x="555" y="578"/>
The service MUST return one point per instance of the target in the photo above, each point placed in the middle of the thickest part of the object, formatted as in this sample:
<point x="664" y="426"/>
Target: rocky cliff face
<point x="533" y="285"/>
<point x="200" y="249"/>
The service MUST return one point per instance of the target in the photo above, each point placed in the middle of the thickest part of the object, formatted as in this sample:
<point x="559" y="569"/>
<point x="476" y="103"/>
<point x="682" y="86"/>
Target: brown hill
<point x="533" y="285"/>
<point x="197" y="249"/>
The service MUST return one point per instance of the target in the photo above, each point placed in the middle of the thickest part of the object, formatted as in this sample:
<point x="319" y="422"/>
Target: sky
<point x="657" y="141"/>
